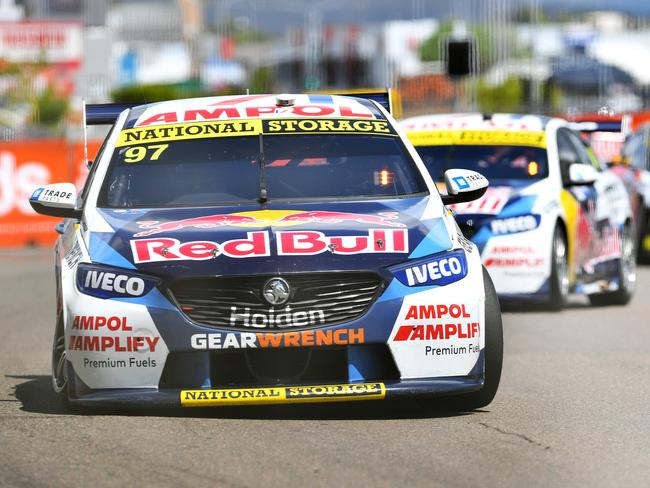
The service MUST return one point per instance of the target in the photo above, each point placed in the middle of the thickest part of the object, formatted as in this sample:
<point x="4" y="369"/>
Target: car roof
<point x="477" y="121"/>
<point x="254" y="106"/>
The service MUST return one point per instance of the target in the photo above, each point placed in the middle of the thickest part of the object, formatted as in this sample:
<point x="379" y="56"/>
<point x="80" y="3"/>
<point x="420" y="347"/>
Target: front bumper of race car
<point x="269" y="395"/>
<point x="413" y="340"/>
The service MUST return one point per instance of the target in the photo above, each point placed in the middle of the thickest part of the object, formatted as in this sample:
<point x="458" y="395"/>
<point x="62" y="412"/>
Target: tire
<point x="60" y="367"/>
<point x="559" y="280"/>
<point x="626" y="273"/>
<point x="493" y="360"/>
<point x="642" y="229"/>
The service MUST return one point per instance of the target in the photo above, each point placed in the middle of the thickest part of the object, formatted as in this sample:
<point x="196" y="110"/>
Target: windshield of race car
<point x="189" y="165"/>
<point x="492" y="161"/>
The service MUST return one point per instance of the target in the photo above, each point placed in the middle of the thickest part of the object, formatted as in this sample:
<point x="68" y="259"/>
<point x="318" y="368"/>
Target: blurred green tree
<point x="49" y="109"/>
<point x="262" y="80"/>
<point x="506" y="97"/>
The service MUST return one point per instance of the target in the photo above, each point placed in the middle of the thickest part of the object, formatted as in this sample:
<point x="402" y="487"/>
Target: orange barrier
<point x="26" y="165"/>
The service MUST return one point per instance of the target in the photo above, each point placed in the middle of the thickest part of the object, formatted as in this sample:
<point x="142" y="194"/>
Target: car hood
<point x="277" y="238"/>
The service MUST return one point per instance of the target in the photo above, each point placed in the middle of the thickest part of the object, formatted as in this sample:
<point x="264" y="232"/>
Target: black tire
<point x="60" y="367"/>
<point x="559" y="280"/>
<point x="626" y="273"/>
<point x="642" y="228"/>
<point x="493" y="360"/>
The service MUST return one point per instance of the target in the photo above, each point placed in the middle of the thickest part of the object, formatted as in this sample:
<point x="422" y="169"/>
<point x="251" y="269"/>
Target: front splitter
<point x="277" y="394"/>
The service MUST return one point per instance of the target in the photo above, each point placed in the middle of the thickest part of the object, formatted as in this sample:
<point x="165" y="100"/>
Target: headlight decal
<point x="107" y="282"/>
<point x="512" y="225"/>
<point x="440" y="269"/>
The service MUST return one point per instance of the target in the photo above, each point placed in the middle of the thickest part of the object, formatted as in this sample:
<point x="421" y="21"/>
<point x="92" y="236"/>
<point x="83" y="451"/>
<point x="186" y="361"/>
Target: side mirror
<point x="463" y="185"/>
<point x="56" y="200"/>
<point x="582" y="175"/>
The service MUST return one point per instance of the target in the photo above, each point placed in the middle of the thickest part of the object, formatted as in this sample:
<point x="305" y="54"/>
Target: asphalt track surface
<point x="572" y="410"/>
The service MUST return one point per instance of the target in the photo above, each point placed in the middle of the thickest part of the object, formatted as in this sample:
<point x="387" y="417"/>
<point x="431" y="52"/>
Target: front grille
<point x="316" y="299"/>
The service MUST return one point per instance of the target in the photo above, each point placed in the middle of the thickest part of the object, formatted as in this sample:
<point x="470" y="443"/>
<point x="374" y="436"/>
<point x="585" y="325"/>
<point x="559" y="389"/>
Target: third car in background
<point x="553" y="221"/>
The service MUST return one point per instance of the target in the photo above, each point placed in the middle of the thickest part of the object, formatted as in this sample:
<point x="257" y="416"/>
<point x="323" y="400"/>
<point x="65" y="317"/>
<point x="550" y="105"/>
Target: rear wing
<point x="586" y="124"/>
<point x="104" y="113"/>
<point x="597" y="126"/>
<point x="107" y="113"/>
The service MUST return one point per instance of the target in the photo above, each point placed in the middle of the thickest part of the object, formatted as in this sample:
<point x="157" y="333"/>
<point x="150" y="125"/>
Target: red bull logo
<point x="257" y="244"/>
<point x="269" y="218"/>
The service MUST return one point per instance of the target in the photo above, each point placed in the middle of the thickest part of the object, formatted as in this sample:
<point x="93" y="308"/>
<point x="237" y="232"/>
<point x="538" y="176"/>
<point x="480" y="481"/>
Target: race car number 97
<point x="138" y="153"/>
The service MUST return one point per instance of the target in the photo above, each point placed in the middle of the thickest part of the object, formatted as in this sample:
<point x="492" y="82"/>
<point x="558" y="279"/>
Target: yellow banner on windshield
<point x="189" y="130"/>
<point x="251" y="127"/>
<point x="477" y="138"/>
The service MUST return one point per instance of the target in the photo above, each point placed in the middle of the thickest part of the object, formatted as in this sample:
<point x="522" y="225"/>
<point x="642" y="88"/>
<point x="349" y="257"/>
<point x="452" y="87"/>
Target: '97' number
<point x="138" y="153"/>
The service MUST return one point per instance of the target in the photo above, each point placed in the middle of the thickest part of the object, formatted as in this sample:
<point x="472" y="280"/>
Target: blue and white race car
<point x="267" y="249"/>
<point x="553" y="220"/>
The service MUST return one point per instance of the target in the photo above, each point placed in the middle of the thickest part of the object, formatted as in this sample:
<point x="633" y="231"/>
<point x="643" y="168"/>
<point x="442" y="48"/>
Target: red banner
<point x="25" y="166"/>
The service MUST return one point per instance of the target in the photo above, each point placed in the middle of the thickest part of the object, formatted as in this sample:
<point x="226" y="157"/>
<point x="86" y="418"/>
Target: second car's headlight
<point x="106" y="282"/>
<point x="438" y="269"/>
<point x="511" y="225"/>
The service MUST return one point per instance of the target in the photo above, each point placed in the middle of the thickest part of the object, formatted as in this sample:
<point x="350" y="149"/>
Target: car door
<point x="580" y="206"/>
<point x="605" y="206"/>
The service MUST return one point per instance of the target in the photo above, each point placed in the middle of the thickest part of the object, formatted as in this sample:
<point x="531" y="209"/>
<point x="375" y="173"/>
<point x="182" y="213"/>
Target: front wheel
<point x="493" y="360"/>
<point x="60" y="381"/>
<point x="559" y="280"/>
<point x="626" y="273"/>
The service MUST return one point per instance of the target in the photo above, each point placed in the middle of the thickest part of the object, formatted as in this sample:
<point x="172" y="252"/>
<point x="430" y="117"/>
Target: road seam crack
<point x="515" y="434"/>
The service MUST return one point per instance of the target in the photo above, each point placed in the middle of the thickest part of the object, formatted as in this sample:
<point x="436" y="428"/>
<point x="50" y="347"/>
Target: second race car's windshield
<point x="208" y="171"/>
<point x="492" y="161"/>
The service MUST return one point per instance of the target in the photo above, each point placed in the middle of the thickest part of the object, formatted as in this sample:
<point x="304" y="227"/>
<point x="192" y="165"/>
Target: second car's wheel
<point x="642" y="229"/>
<point x="493" y="360"/>
<point x="626" y="273"/>
<point x="559" y="280"/>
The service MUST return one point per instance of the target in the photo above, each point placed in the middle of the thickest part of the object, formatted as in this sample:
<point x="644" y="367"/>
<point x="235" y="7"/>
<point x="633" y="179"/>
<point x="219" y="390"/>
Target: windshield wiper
<point x="263" y="198"/>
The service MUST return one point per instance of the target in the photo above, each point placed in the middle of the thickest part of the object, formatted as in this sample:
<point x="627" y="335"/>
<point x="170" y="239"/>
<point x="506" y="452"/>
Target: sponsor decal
<point x="104" y="282"/>
<point x="491" y="203"/>
<point x="288" y="394"/>
<point x="280" y="319"/>
<point x="461" y="182"/>
<point x="131" y="362"/>
<point x="102" y="343"/>
<point x="478" y="137"/>
<point x="197" y="130"/>
<point x="320" y="337"/>
<point x="513" y="256"/>
<point x="250" y="127"/>
<point x="256" y="244"/>
<point x="220" y="112"/>
<point x="432" y="332"/>
<point x="313" y="242"/>
<point x="608" y="246"/>
<point x="44" y="195"/>
<point x="463" y="241"/>
<point x="167" y="249"/>
<point x="74" y="255"/>
<point x="267" y="218"/>
<point x="511" y="225"/>
<point x="434" y="270"/>
<point x="339" y="126"/>
<point x="441" y="333"/>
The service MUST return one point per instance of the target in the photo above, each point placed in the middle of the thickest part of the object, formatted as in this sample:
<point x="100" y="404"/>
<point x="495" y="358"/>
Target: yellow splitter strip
<point x="283" y="394"/>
